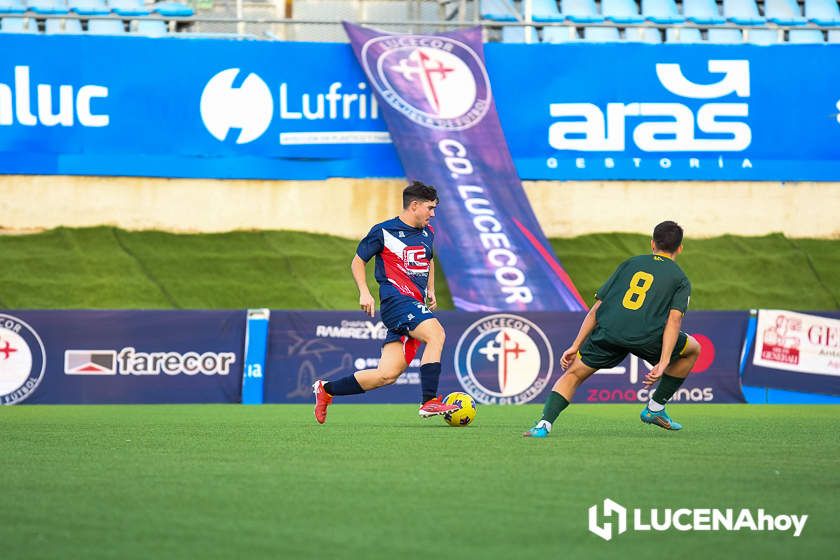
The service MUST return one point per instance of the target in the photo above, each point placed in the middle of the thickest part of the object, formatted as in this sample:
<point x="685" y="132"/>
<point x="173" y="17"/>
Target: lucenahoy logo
<point x="620" y="520"/>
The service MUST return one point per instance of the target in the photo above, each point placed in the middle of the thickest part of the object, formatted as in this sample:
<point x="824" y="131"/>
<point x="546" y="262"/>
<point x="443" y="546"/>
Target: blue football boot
<point x="540" y="430"/>
<point x="660" y="419"/>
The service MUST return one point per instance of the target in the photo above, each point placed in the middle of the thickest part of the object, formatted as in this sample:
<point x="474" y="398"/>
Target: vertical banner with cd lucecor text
<point x="437" y="102"/>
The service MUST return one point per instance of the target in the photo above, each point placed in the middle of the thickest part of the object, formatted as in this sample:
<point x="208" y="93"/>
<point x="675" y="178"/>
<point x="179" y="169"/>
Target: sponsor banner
<point x="713" y="379"/>
<point x="671" y="112"/>
<point x="304" y="346"/>
<point x="117" y="357"/>
<point x="239" y="109"/>
<point x="796" y="352"/>
<point x="286" y="110"/>
<point x="436" y="98"/>
<point x="498" y="358"/>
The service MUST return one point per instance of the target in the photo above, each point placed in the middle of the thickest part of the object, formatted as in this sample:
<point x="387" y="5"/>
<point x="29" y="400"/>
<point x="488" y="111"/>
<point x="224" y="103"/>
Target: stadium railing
<point x="526" y="21"/>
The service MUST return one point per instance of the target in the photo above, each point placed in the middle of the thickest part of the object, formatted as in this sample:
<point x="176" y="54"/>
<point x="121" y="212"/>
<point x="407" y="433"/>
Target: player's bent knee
<point x="438" y="337"/>
<point x="692" y="348"/>
<point x="388" y="380"/>
<point x="390" y="376"/>
<point x="434" y="335"/>
<point x="574" y="374"/>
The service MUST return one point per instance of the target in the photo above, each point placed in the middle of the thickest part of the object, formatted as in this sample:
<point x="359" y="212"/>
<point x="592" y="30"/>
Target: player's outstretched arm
<point x="669" y="340"/>
<point x="586" y="328"/>
<point x="366" y="302"/>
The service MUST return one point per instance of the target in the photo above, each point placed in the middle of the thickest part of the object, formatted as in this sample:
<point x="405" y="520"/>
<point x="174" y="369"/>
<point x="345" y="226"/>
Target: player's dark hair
<point x="419" y="191"/>
<point x="668" y="236"/>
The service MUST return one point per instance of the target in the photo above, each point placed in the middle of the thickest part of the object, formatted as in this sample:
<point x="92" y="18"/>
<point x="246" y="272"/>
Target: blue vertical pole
<point x="746" y="349"/>
<point x="256" y="345"/>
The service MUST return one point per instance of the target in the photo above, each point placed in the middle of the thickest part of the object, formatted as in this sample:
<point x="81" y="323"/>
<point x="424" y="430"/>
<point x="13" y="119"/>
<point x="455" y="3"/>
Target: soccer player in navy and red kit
<point x="404" y="270"/>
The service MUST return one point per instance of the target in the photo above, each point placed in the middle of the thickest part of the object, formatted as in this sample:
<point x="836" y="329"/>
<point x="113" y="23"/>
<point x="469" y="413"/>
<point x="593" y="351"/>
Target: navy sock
<point x="344" y="386"/>
<point x="429" y="377"/>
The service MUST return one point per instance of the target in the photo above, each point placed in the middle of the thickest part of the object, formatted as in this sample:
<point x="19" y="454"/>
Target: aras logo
<point x="22" y="360"/>
<point x="229" y="103"/>
<point x="503" y="359"/>
<point x="437" y="82"/>
<point x="664" y="127"/>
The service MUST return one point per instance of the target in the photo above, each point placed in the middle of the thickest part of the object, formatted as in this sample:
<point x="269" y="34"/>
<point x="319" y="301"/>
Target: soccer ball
<point x="463" y="417"/>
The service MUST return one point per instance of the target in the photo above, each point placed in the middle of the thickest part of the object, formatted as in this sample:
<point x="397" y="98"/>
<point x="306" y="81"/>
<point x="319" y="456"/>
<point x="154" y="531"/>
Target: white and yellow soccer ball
<point x="463" y="417"/>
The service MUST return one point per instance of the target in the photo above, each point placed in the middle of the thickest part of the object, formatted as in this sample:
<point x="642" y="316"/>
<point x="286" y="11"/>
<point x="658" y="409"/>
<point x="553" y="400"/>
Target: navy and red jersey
<point x="403" y="254"/>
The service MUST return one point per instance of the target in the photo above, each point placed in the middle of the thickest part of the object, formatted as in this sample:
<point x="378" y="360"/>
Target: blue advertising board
<point x="499" y="358"/>
<point x="120" y="357"/>
<point x="271" y="110"/>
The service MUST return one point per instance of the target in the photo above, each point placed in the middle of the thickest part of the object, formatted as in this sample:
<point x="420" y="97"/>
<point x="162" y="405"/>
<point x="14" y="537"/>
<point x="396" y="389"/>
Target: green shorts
<point x="599" y="352"/>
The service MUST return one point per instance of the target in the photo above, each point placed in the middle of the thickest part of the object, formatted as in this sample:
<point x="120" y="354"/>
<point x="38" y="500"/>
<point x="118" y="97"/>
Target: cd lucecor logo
<point x="22" y="360"/>
<point x="504" y="359"/>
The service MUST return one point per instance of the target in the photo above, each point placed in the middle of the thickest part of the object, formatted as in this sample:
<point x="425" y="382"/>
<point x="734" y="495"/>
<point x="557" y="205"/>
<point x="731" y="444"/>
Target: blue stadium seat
<point x="47" y="7"/>
<point x="621" y="11"/>
<point x="106" y="27"/>
<point x="12" y="7"/>
<point x="601" y="34"/>
<point x="89" y="7"/>
<point x="149" y="27"/>
<point x="800" y="36"/>
<point x="581" y="11"/>
<point x="57" y="26"/>
<point x="498" y="10"/>
<point x="643" y="35"/>
<point x="704" y="12"/>
<point x="764" y="36"/>
<point x="742" y="12"/>
<point x="545" y="10"/>
<point x="173" y="9"/>
<point x="128" y="7"/>
<point x="783" y="12"/>
<point x="517" y="34"/>
<point x="745" y="12"/>
<point x="15" y="24"/>
<point x="725" y="36"/>
<point x="126" y="4"/>
<point x="822" y="12"/>
<point x="560" y="34"/>
<point x="661" y="11"/>
<point x="683" y="35"/>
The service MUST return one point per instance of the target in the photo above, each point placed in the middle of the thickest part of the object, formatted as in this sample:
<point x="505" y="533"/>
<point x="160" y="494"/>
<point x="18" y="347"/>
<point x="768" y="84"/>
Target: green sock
<point x="554" y="405"/>
<point x="668" y="385"/>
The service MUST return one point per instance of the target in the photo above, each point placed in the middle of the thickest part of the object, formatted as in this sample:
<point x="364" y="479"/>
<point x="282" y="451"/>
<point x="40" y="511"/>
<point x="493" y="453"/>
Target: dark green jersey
<point x="637" y="298"/>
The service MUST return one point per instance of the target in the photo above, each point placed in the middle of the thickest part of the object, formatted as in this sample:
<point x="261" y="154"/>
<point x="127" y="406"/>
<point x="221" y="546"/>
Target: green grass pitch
<point x="227" y="481"/>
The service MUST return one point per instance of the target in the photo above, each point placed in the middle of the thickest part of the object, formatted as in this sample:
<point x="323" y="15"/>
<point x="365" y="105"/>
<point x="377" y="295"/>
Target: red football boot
<point x="322" y="401"/>
<point x="436" y="407"/>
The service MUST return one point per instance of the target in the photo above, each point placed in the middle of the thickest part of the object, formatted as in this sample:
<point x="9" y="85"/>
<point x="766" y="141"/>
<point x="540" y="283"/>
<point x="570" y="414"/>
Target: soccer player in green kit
<point x="638" y="310"/>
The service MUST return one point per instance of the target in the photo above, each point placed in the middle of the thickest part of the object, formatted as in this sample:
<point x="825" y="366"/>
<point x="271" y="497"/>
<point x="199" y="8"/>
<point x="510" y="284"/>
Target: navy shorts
<point x="402" y="314"/>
